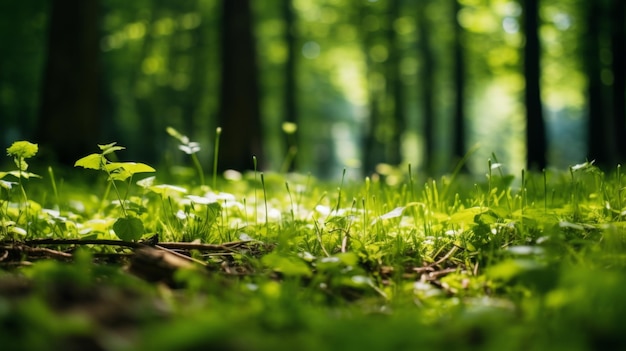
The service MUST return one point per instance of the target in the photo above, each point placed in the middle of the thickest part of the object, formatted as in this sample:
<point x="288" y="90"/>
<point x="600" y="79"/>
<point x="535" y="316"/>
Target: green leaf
<point x="129" y="167"/>
<point x="113" y="149"/>
<point x="23" y="149"/>
<point x="128" y="228"/>
<point x="93" y="161"/>
<point x="109" y="148"/>
<point x="106" y="146"/>
<point x="136" y="167"/>
<point x="113" y="166"/>
<point x="20" y="164"/>
<point x="123" y="170"/>
<point x="287" y="264"/>
<point x="466" y="217"/>
<point x="25" y="175"/>
<point x="338" y="262"/>
<point x="119" y="174"/>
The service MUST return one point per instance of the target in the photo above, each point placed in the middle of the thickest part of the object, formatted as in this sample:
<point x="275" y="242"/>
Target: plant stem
<point x="218" y="132"/>
<point x="196" y="163"/>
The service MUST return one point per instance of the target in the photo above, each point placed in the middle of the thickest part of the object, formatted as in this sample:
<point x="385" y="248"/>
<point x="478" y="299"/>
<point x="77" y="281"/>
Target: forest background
<point x="538" y="84"/>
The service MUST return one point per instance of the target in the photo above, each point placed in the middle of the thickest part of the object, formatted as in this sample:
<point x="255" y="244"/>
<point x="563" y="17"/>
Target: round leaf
<point x="128" y="228"/>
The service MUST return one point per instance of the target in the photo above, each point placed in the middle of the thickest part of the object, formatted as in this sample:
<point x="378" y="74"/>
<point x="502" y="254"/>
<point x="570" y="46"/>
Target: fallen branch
<point x="229" y="246"/>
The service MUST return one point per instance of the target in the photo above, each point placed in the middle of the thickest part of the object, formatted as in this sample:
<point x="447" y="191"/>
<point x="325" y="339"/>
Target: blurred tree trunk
<point x="426" y="83"/>
<point x="197" y="55"/>
<point x="618" y="66"/>
<point x="290" y="97"/>
<point x="458" y="71"/>
<point x="239" y="112"/>
<point x="146" y="102"/>
<point x="395" y="91"/>
<point x="600" y="143"/>
<point x="373" y="147"/>
<point x="69" y="119"/>
<point x="535" y="128"/>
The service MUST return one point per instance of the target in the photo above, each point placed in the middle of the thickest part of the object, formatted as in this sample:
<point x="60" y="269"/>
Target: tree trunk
<point x="395" y="93"/>
<point x="535" y="128"/>
<point x="69" y="117"/>
<point x="373" y="147"/>
<point x="290" y="102"/>
<point x="618" y="50"/>
<point x="459" y="88"/>
<point x="426" y="83"/>
<point x="239" y="112"/>
<point x="600" y="143"/>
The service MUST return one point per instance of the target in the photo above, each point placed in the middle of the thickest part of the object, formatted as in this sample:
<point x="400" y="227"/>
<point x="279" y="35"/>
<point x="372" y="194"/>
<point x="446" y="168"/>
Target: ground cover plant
<point x="137" y="260"/>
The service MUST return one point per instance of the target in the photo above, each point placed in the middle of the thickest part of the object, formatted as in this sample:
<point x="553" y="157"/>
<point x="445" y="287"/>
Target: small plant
<point x="20" y="150"/>
<point x="216" y="152"/>
<point x="290" y="129"/>
<point x="129" y="227"/>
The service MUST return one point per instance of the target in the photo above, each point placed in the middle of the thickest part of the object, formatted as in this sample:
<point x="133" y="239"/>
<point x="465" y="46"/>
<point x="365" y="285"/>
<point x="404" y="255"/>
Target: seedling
<point x="216" y="152"/>
<point x="20" y="150"/>
<point x="290" y="130"/>
<point x="129" y="227"/>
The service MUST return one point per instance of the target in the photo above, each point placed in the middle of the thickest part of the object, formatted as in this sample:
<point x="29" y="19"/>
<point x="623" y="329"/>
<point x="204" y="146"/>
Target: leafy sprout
<point x="129" y="227"/>
<point x="22" y="149"/>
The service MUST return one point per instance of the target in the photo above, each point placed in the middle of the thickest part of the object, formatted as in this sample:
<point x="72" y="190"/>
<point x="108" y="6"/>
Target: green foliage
<point x="20" y="150"/>
<point x="498" y="264"/>
<point x="9" y="222"/>
<point x="287" y="264"/>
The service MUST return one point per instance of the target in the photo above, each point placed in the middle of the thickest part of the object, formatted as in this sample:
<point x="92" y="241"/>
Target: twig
<point x="431" y="267"/>
<point x="445" y="257"/>
<point x="178" y="254"/>
<point x="50" y="252"/>
<point x="229" y="246"/>
<point x="106" y="242"/>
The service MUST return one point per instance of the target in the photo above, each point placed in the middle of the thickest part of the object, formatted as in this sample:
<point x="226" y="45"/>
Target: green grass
<point x="284" y="261"/>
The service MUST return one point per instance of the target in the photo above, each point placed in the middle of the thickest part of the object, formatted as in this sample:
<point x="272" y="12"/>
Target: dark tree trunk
<point x="395" y="93"/>
<point x="535" y="128"/>
<point x="600" y="143"/>
<point x="69" y="118"/>
<point x="239" y="113"/>
<point x="290" y="102"/>
<point x="426" y="83"/>
<point x="618" y="50"/>
<point x="459" y="88"/>
<point x="144" y="103"/>
<point x="373" y="148"/>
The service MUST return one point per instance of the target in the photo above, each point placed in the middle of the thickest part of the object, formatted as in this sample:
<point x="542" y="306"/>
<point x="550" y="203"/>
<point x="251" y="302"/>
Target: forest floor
<point x="284" y="261"/>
